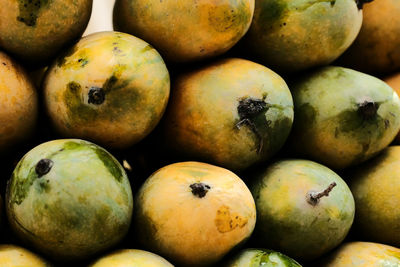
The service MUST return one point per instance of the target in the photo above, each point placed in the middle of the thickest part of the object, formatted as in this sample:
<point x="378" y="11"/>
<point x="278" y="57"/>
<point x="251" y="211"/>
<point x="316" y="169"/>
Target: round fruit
<point x="343" y="117"/>
<point x="131" y="258"/>
<point x="296" y="35"/>
<point x="193" y="213"/>
<point x="14" y="256"/>
<point x="36" y="30"/>
<point x="111" y="88"/>
<point x="69" y="199"/>
<point x="232" y="113"/>
<point x="376" y="49"/>
<point x="363" y="254"/>
<point x="253" y="257"/>
<point x="185" y="30"/>
<point x="18" y="103"/>
<point x="376" y="186"/>
<point x="303" y="208"/>
<point x="394" y="82"/>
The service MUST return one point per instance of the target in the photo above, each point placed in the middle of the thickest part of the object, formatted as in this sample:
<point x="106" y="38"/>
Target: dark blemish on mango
<point x="271" y="11"/>
<point x="83" y="62"/>
<point x="200" y="189"/>
<point x="29" y="11"/>
<point x="43" y="167"/>
<point x="96" y="95"/>
<point x="4" y="63"/>
<point x="226" y="222"/>
<point x="77" y="111"/>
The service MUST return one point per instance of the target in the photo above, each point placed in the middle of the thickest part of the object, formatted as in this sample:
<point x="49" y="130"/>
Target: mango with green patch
<point x="18" y="103"/>
<point x="15" y="256"/>
<point x="394" y="82"/>
<point x="362" y="254"/>
<point x="35" y="31"/>
<point x="110" y="88"/>
<point x="233" y="113"/>
<point x="290" y="36"/>
<point x="131" y="257"/>
<point x="185" y="30"/>
<point x="257" y="257"/>
<point x="343" y="117"/>
<point x="193" y="213"/>
<point x="304" y="209"/>
<point x="376" y="186"/>
<point x="69" y="199"/>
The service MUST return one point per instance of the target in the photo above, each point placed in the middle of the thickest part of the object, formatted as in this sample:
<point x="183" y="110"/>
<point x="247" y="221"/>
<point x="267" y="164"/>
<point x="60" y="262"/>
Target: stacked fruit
<point x="128" y="147"/>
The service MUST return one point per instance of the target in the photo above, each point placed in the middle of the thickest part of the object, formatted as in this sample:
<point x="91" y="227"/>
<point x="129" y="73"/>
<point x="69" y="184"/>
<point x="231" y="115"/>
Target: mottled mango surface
<point x="206" y="120"/>
<point x="110" y="88"/>
<point x="287" y="222"/>
<point x="36" y="30"/>
<point x="343" y="117"/>
<point x="293" y="35"/>
<point x="254" y="257"/>
<point x="376" y="48"/>
<point x="363" y="254"/>
<point x="18" y="103"/>
<point x="376" y="186"/>
<point x="131" y="258"/>
<point x="15" y="256"/>
<point x="394" y="82"/>
<point x="185" y="30"/>
<point x="193" y="213"/>
<point x="78" y="204"/>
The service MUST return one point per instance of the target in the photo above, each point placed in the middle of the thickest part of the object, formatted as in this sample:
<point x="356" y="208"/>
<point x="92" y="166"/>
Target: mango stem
<point x="314" y="197"/>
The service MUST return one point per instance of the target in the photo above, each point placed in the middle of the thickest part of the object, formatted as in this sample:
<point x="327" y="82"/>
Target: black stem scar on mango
<point x="314" y="197"/>
<point x="367" y="109"/>
<point x="360" y="3"/>
<point x="43" y="167"/>
<point x="96" y="95"/>
<point x="248" y="109"/>
<point x="199" y="189"/>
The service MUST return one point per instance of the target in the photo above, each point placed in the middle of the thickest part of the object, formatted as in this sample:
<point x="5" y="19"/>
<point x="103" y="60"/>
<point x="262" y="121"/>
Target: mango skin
<point x="394" y="82"/>
<point x="18" y="103"/>
<point x="15" y="256"/>
<point x="48" y="26"/>
<point x="61" y="212"/>
<point x="202" y="115"/>
<point x="330" y="129"/>
<point x="376" y="48"/>
<point x="130" y="72"/>
<point x="185" y="30"/>
<point x="290" y="36"/>
<point x="286" y="222"/>
<point x="252" y="257"/>
<point x="131" y="257"/>
<point x="188" y="230"/>
<point x="375" y="186"/>
<point x="362" y="254"/>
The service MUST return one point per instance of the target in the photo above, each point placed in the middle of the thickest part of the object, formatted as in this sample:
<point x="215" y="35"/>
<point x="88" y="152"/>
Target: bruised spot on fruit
<point x="226" y="222"/>
<point x="43" y="167"/>
<point x="200" y="189"/>
<point x="109" y="162"/>
<point x="29" y="10"/>
<point x="83" y="62"/>
<point x="96" y="95"/>
<point x="77" y="110"/>
<point x="270" y="12"/>
<point x="367" y="108"/>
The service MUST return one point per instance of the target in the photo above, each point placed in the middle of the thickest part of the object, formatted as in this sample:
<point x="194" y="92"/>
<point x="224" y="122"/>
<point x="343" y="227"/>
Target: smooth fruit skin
<point x="81" y="206"/>
<point x="185" y="30"/>
<point x="362" y="254"/>
<point x="394" y="82"/>
<point x="290" y="36"/>
<point x="131" y="258"/>
<point x="376" y="48"/>
<point x="332" y="127"/>
<point x="375" y="186"/>
<point x="190" y="229"/>
<point x="286" y="222"/>
<point x="130" y="74"/>
<point x="18" y="103"/>
<point x="35" y="31"/>
<point x="203" y="114"/>
<point x="255" y="257"/>
<point x="15" y="256"/>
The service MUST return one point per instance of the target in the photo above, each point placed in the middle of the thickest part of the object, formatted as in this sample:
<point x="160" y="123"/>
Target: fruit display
<point x="210" y="133"/>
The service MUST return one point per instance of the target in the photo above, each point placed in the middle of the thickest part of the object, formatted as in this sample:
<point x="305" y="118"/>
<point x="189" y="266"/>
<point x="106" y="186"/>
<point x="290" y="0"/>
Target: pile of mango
<point x="228" y="133"/>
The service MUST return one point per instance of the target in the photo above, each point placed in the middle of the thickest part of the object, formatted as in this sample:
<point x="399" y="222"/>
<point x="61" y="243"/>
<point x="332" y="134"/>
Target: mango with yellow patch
<point x="185" y="30"/>
<point x="394" y="82"/>
<point x="304" y="209"/>
<point x="193" y="213"/>
<point x="14" y="256"/>
<point x="375" y="186"/>
<point x="35" y="31"/>
<point x="18" y="103"/>
<point x="110" y="88"/>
